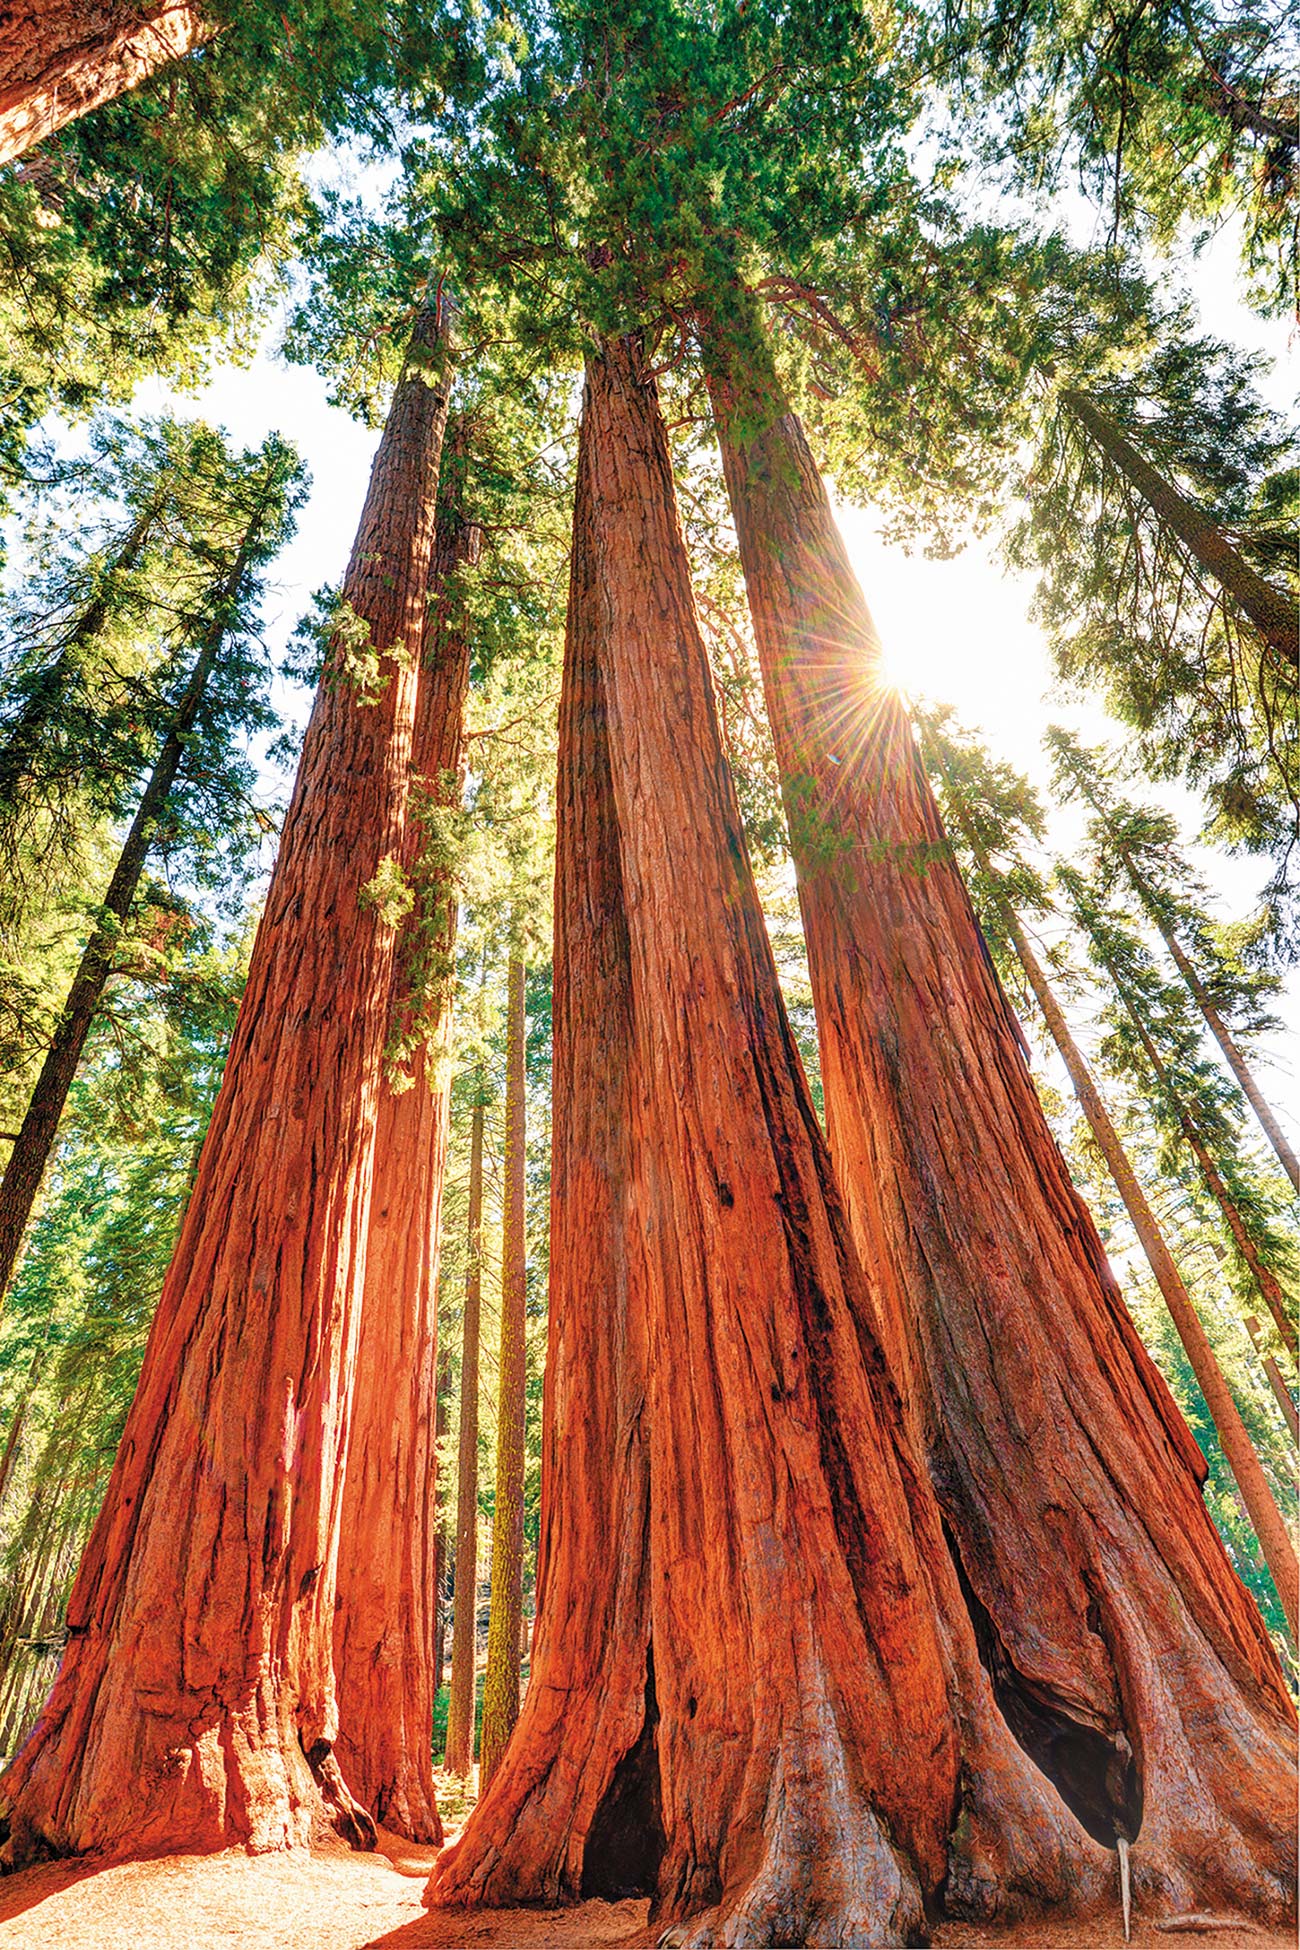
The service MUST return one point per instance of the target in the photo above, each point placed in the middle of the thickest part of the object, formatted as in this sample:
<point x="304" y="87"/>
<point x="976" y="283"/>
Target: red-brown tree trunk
<point x="61" y="58"/>
<point x="464" y="1627"/>
<point x="387" y="1578"/>
<point x="195" y="1705"/>
<point x="774" y="1715"/>
<point x="1069" y="1483"/>
<point x="501" y="1680"/>
<point x="440" y="1552"/>
<point x="587" y="1715"/>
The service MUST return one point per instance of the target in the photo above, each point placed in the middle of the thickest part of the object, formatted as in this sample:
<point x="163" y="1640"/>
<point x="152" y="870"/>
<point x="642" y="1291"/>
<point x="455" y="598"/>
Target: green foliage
<point x="1171" y="115"/>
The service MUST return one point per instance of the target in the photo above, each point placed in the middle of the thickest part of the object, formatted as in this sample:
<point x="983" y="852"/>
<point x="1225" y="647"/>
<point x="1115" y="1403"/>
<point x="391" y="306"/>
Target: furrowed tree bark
<point x="60" y="60"/>
<point x="387" y="1580"/>
<point x="195" y="1704"/>
<point x="501" y="1681"/>
<point x="31" y="1153"/>
<point x="554" y="1827"/>
<point x="1271" y="610"/>
<point x="1242" y="1458"/>
<point x="805" y="1750"/>
<point x="1069" y="1484"/>
<point x="464" y="1625"/>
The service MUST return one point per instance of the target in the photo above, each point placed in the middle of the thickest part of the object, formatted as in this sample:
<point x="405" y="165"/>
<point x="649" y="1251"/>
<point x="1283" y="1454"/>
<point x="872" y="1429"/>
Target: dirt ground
<point x="335" y="1900"/>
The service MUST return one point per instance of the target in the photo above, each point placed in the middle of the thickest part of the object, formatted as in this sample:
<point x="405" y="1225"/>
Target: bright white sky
<point x="955" y="631"/>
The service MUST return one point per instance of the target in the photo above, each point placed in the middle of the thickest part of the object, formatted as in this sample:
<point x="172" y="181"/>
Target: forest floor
<point x="333" y="1899"/>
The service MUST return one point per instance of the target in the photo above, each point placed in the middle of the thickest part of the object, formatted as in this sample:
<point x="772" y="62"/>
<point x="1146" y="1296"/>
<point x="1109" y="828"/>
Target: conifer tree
<point x="464" y="1644"/>
<point x="223" y="1725"/>
<point x="1154" y="1032"/>
<point x="1166" y="113"/>
<point x="385" y="1623"/>
<point x="891" y="939"/>
<point x="268" y="492"/>
<point x="1141" y="844"/>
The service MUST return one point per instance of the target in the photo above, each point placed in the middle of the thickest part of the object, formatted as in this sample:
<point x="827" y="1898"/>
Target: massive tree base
<point x="773" y="1687"/>
<point x="195" y="1706"/>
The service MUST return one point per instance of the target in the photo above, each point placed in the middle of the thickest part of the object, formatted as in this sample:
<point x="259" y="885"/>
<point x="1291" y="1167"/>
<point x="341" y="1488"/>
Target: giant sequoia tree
<point x="195" y="1705"/>
<point x="996" y="1297"/>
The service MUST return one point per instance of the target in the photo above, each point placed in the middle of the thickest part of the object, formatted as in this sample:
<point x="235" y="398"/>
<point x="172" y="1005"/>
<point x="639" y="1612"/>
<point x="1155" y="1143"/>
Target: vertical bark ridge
<point x="387" y="1585"/>
<point x="195" y="1704"/>
<point x="585" y="1709"/>
<point x="1068" y="1480"/>
<point x="1244" y="1462"/>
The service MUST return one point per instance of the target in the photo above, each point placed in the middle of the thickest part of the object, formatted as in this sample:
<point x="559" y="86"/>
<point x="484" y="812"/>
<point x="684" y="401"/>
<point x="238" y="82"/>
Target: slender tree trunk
<point x="1282" y="1394"/>
<point x="442" y="1559"/>
<point x="1266" y="1281"/>
<point x="61" y="58"/>
<point x="1218" y="1028"/>
<point x="1271" y="610"/>
<point x="387" y="1581"/>
<point x="1235" y="1060"/>
<point x="464" y="1632"/>
<point x="806" y="1745"/>
<point x="31" y="1153"/>
<point x="1239" y="1450"/>
<point x="501" y="1682"/>
<point x="1047" y="1425"/>
<point x="195" y="1705"/>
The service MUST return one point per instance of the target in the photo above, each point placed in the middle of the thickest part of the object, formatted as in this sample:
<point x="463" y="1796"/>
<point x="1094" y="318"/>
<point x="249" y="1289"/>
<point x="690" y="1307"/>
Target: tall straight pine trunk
<point x="772" y="1716"/>
<point x="61" y="58"/>
<point x="464" y="1623"/>
<point x="195" y="1707"/>
<point x="501" y="1681"/>
<point x="35" y="1141"/>
<point x="387" y="1579"/>
<point x="1069" y="1483"/>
